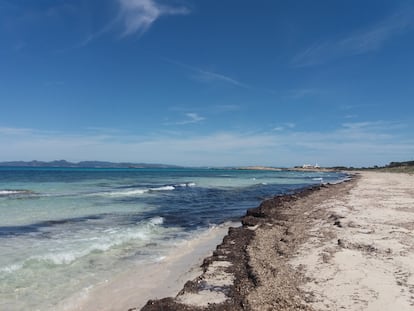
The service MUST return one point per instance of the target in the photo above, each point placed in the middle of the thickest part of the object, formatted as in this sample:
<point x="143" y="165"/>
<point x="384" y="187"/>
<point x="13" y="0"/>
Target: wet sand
<point x="346" y="246"/>
<point x="132" y="289"/>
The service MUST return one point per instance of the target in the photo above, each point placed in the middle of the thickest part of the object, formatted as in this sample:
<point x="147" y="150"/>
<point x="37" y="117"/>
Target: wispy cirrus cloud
<point x="360" y="42"/>
<point x="375" y="37"/>
<point x="372" y="126"/>
<point x="9" y="131"/>
<point x="135" y="16"/>
<point x="191" y="117"/>
<point x="284" y="126"/>
<point x="208" y="76"/>
<point x="139" y="15"/>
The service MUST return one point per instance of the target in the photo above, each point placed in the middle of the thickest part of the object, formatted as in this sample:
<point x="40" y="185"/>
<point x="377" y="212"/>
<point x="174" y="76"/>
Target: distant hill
<point x="83" y="164"/>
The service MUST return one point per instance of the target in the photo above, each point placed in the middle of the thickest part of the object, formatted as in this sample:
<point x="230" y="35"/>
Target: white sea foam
<point x="11" y="268"/>
<point x="135" y="192"/>
<point x="66" y="254"/>
<point x="161" y="258"/>
<point x="60" y="258"/>
<point x="347" y="178"/>
<point x="139" y="192"/>
<point x="6" y="192"/>
<point x="164" y="188"/>
<point x="318" y="179"/>
<point x="70" y="256"/>
<point x="132" y="192"/>
<point x="157" y="220"/>
<point x="189" y="184"/>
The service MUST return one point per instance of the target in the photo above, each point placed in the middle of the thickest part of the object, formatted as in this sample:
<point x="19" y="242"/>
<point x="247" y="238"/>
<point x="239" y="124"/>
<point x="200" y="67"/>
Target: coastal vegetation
<point x="395" y="167"/>
<point x="403" y="167"/>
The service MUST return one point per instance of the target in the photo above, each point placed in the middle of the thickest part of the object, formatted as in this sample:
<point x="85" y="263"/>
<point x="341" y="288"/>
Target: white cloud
<point x="139" y="15"/>
<point x="350" y="116"/>
<point x="12" y="131"/>
<point x="208" y="76"/>
<point x="373" y="126"/>
<point x="192" y="117"/>
<point x="357" y="144"/>
<point x="135" y="16"/>
<point x="284" y="127"/>
<point x="373" y="38"/>
<point x="312" y="55"/>
<point x="360" y="42"/>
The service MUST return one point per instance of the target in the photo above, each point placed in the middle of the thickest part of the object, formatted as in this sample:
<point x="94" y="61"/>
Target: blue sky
<point x="207" y="82"/>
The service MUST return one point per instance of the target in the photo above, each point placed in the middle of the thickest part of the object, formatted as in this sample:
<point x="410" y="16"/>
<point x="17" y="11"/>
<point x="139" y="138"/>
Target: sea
<point x="65" y="230"/>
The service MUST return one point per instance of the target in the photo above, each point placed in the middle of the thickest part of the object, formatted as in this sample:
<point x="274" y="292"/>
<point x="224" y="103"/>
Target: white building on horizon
<point x="311" y="166"/>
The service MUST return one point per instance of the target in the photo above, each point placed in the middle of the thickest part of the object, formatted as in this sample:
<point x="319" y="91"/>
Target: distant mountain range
<point x="84" y="164"/>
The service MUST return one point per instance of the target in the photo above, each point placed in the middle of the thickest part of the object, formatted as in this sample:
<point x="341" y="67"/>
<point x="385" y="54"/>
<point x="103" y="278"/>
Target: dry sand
<point x="361" y="256"/>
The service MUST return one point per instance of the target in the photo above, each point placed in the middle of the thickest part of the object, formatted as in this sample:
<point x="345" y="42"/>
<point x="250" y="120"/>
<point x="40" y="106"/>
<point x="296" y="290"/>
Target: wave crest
<point x="107" y="240"/>
<point x="163" y="188"/>
<point x="138" y="192"/>
<point x="11" y="192"/>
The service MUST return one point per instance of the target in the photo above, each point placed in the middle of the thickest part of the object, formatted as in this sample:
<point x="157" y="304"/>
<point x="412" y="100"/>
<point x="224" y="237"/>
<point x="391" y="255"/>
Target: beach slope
<point x="345" y="246"/>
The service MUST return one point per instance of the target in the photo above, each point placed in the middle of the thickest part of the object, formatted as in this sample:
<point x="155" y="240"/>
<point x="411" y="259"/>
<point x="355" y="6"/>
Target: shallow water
<point x="65" y="230"/>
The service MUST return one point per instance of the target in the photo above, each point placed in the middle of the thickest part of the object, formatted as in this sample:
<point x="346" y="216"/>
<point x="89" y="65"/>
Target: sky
<point x="207" y="82"/>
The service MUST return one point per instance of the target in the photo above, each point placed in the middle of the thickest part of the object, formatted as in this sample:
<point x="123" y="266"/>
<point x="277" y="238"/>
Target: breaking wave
<point x="14" y="192"/>
<point x="107" y="240"/>
<point x="142" y="191"/>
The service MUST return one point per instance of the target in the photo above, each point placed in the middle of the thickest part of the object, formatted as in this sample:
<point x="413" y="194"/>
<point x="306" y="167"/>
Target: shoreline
<point x="191" y="260"/>
<point x="120" y="292"/>
<point x="91" y="257"/>
<point x="331" y="247"/>
<point x="229" y="279"/>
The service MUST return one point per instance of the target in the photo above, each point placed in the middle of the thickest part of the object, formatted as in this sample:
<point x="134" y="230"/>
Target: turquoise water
<point x="64" y="230"/>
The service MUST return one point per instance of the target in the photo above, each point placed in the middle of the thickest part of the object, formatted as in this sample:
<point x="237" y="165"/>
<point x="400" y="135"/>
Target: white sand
<point x="367" y="262"/>
<point x="133" y="289"/>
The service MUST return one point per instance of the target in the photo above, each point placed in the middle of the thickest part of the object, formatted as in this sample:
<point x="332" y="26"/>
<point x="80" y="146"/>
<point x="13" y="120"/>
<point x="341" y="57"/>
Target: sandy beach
<point x="348" y="246"/>
<point x="360" y="256"/>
